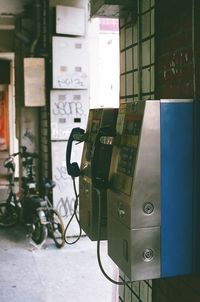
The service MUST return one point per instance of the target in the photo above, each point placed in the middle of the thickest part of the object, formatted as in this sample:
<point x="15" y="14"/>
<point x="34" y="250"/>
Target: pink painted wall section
<point x="111" y="25"/>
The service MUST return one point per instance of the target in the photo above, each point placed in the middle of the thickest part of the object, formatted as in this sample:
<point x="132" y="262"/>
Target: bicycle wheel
<point x="39" y="233"/>
<point x="56" y="228"/>
<point x="9" y="214"/>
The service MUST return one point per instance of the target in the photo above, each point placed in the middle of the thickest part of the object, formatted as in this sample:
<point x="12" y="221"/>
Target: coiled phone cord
<point x="73" y="215"/>
<point x="98" y="245"/>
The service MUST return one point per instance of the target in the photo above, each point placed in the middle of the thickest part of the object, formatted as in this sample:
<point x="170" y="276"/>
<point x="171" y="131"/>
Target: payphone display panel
<point x="95" y="160"/>
<point x="128" y="127"/>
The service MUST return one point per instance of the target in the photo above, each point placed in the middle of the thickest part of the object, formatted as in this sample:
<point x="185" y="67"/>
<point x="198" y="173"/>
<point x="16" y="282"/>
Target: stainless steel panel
<point x="145" y="199"/>
<point x="137" y="188"/>
<point x="134" y="196"/>
<point x="89" y="209"/>
<point x="119" y="207"/>
<point x="135" y="251"/>
<point x="84" y="203"/>
<point x="119" y="242"/>
<point x="146" y="253"/>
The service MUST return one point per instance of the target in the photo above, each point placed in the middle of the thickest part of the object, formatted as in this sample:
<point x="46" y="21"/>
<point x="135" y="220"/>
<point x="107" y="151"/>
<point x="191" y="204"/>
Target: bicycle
<point x="55" y="223"/>
<point x="52" y="221"/>
<point x="10" y="209"/>
<point x="28" y="207"/>
<point x="31" y="208"/>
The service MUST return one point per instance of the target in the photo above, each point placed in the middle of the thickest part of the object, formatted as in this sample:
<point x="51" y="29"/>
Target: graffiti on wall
<point x="63" y="194"/>
<point x="28" y="135"/>
<point x="67" y="111"/>
<point x="64" y="199"/>
<point x="29" y="128"/>
<point x="70" y="82"/>
<point x="175" y="63"/>
<point x="66" y="207"/>
<point x="68" y="108"/>
<point x="64" y="203"/>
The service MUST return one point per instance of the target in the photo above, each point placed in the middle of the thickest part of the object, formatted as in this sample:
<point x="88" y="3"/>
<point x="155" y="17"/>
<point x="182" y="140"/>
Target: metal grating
<point x="137" y="54"/>
<point x="137" y="82"/>
<point x="136" y="291"/>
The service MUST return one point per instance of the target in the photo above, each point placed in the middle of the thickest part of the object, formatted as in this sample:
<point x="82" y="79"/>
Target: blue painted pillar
<point x="177" y="187"/>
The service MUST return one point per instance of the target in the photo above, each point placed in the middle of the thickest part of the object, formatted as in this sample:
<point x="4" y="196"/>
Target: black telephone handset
<point x="73" y="168"/>
<point x="101" y="157"/>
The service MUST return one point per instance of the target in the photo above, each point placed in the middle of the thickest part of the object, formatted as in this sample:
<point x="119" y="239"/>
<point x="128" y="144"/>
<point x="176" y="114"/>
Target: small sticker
<point x="76" y="97"/>
<point x="63" y="68"/>
<point x="78" y="45"/>
<point x="78" y="68"/>
<point x="61" y="97"/>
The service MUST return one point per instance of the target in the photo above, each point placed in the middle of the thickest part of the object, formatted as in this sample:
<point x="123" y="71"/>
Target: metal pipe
<point x="37" y="20"/>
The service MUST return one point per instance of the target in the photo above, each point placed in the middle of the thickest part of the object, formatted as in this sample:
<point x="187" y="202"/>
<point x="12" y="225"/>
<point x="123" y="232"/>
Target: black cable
<point x="73" y="215"/>
<point x="98" y="245"/>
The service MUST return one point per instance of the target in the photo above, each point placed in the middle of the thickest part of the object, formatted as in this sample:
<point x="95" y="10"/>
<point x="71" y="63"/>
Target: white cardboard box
<point x="70" y="20"/>
<point x="34" y="82"/>
<point x="70" y="63"/>
<point x="69" y="109"/>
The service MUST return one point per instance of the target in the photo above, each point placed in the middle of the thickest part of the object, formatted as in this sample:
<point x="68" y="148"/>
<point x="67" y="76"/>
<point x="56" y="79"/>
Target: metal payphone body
<point x="150" y="200"/>
<point x="100" y="122"/>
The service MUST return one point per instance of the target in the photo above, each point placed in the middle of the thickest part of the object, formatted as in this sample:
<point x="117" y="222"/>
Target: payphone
<point x="94" y="170"/>
<point x="94" y="174"/>
<point x="151" y="227"/>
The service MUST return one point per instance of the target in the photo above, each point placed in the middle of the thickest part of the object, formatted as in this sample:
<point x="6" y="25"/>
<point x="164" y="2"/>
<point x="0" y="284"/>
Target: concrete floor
<point x="47" y="274"/>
